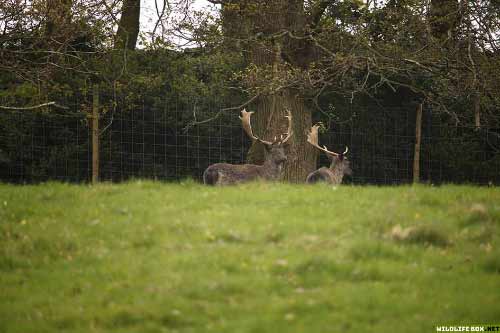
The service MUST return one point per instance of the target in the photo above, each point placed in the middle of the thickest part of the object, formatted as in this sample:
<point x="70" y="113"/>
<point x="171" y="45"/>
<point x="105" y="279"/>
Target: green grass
<point x="153" y="257"/>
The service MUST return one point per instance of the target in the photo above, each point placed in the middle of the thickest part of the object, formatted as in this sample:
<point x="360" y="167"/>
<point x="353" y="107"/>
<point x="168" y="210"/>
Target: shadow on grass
<point x="318" y="271"/>
<point x="491" y="263"/>
<point x="126" y="318"/>
<point x="420" y="235"/>
<point x="374" y="251"/>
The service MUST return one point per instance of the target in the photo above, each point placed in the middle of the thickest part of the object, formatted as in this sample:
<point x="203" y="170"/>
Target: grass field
<point x="154" y="257"/>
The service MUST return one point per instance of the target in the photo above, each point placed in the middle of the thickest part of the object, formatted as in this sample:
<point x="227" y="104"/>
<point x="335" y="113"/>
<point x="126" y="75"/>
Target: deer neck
<point x="337" y="172"/>
<point x="272" y="168"/>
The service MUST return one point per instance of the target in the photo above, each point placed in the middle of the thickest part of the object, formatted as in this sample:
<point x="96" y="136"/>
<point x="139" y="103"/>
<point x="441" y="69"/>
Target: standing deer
<point x="339" y="163"/>
<point x="226" y="174"/>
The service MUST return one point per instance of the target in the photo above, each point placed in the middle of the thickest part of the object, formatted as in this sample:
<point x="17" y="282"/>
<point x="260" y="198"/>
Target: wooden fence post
<point x="95" y="134"/>
<point x="418" y="139"/>
<point x="477" y="111"/>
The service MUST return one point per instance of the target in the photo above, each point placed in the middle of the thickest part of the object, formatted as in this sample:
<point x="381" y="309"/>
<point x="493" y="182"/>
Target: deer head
<point x="339" y="164"/>
<point x="274" y="149"/>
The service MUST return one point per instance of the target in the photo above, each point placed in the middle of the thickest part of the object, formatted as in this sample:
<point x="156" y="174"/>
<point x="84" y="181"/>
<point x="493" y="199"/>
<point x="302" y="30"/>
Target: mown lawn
<point x="155" y="257"/>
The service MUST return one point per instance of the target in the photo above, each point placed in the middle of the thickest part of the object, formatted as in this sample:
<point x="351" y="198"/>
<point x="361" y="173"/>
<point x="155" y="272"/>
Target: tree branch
<point x="217" y="115"/>
<point x="54" y="104"/>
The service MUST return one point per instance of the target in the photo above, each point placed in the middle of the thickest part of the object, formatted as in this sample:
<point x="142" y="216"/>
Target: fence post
<point x="418" y="139"/>
<point x="477" y="111"/>
<point x="95" y="133"/>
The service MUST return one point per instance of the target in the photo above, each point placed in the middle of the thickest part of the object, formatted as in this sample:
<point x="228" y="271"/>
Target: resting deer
<point x="339" y="163"/>
<point x="226" y="174"/>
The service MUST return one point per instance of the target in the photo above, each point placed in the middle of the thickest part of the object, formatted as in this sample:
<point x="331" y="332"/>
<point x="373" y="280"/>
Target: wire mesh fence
<point x="157" y="142"/>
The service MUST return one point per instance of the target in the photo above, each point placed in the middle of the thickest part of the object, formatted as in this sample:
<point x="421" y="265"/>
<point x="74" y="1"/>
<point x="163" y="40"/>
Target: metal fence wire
<point x="156" y="142"/>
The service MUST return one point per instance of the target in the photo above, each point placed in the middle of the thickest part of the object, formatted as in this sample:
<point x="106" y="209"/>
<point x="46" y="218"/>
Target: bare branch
<point x="54" y="104"/>
<point x="217" y="115"/>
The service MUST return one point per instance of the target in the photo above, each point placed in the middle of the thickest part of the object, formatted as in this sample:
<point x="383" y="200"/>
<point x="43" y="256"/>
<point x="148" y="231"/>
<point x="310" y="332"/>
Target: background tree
<point x="128" y="27"/>
<point x="271" y="38"/>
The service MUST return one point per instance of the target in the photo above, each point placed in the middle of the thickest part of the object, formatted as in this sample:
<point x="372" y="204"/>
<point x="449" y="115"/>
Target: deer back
<point x="226" y="174"/>
<point x="333" y="175"/>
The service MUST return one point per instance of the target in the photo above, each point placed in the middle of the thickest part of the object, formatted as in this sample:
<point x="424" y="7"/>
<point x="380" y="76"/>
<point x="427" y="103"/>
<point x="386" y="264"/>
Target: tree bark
<point x="128" y="28"/>
<point x="256" y="25"/>
<point x="270" y="122"/>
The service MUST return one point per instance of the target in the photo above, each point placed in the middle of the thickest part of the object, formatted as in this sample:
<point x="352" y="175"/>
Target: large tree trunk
<point x="253" y="23"/>
<point x="58" y="28"/>
<point x="270" y="122"/>
<point x="128" y="28"/>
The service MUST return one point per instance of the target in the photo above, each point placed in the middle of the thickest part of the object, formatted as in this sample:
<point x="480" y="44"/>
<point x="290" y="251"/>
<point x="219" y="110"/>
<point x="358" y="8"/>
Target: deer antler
<point x="289" y="130"/>
<point x="312" y="138"/>
<point x="245" y="120"/>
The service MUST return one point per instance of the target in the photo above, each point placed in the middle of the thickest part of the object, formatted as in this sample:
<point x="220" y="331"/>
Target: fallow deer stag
<point x="339" y="165"/>
<point x="227" y="174"/>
